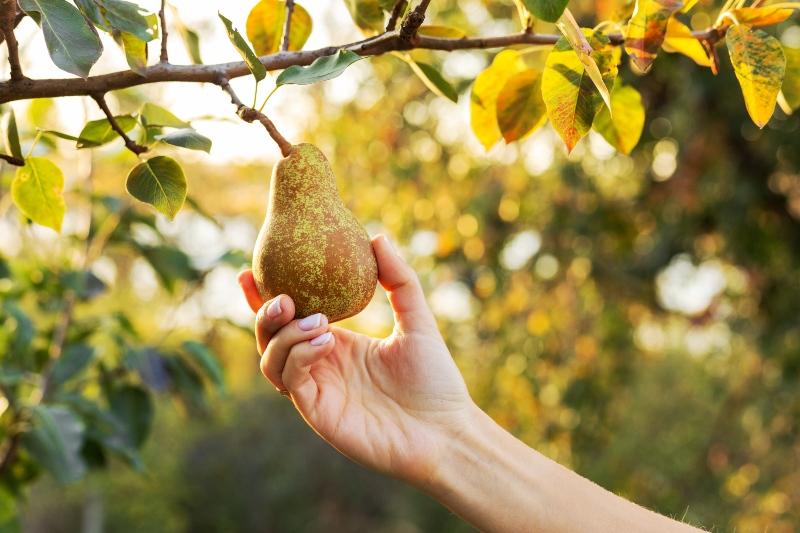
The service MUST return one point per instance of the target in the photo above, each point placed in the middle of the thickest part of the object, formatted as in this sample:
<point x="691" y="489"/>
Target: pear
<point x="311" y="247"/>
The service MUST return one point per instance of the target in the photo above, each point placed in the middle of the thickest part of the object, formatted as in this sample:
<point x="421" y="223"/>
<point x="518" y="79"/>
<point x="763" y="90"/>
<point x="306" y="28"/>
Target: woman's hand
<point x="390" y="404"/>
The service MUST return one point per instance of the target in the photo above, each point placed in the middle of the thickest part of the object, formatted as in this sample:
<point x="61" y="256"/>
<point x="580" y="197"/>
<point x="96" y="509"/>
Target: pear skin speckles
<point x="311" y="247"/>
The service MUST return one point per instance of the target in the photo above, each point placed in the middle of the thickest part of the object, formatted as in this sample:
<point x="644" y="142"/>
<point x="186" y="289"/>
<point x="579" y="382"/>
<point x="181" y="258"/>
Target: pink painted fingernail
<point x="322" y="339"/>
<point x="274" y="309"/>
<point x="310" y="322"/>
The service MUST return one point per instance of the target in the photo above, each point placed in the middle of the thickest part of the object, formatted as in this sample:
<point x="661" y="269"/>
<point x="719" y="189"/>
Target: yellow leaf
<point x="761" y="16"/>
<point x="445" y="32"/>
<point x="265" y="26"/>
<point x="622" y="128"/>
<point x="679" y="39"/>
<point x="38" y="191"/>
<point x="646" y="30"/>
<point x="688" y="5"/>
<point x="571" y="98"/>
<point x="760" y="66"/>
<point x="791" y="82"/>
<point x="520" y="108"/>
<point x="483" y="99"/>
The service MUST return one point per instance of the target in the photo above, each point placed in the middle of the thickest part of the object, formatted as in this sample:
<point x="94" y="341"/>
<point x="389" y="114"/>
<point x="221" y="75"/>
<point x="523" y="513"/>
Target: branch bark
<point x="248" y="114"/>
<point x="287" y="25"/>
<point x="26" y="88"/>
<point x="163" y="18"/>
<point x="129" y="144"/>
<point x="8" y="21"/>
<point x="11" y="160"/>
<point x="412" y="22"/>
<point x="397" y="10"/>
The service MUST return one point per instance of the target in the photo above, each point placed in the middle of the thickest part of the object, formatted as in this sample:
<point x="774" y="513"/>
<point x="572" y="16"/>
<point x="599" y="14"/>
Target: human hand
<point x="391" y="404"/>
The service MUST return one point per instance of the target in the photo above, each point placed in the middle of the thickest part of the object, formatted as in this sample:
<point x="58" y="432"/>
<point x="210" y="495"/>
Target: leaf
<point x="323" y="68"/>
<point x="679" y="39"/>
<point x="135" y="52"/>
<point x="153" y="115"/>
<point x="37" y="191"/>
<point x="55" y="441"/>
<point x="367" y="14"/>
<point x="483" y="98"/>
<point x="9" y="512"/>
<point x="61" y="135"/>
<point x="549" y="10"/>
<point x="71" y="43"/>
<point x="791" y="82"/>
<point x="647" y="29"/>
<point x="265" y="26"/>
<point x="569" y="27"/>
<point x="70" y="364"/>
<point x="623" y="127"/>
<point x="192" y="43"/>
<point x="91" y="10"/>
<point x="127" y="17"/>
<point x="760" y="66"/>
<point x="12" y="135"/>
<point x="570" y="96"/>
<point x="187" y="138"/>
<point x="762" y="16"/>
<point x="256" y="67"/>
<point x="99" y="132"/>
<point x="171" y="264"/>
<point x="442" y="32"/>
<point x="132" y="407"/>
<point x="151" y="367"/>
<point x="433" y="80"/>
<point x="160" y="182"/>
<point x="520" y="108"/>
<point x="207" y="361"/>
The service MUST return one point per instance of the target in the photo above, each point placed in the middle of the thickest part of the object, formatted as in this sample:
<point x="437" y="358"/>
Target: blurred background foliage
<point x="633" y="317"/>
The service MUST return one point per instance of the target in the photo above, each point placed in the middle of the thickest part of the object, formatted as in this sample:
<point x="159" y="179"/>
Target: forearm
<point x="497" y="483"/>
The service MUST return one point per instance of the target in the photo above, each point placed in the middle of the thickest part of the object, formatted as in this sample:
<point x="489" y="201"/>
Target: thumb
<point x="411" y="312"/>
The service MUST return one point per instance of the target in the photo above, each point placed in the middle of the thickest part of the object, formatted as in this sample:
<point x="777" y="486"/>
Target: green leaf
<point x="207" y="361"/>
<point x="12" y="135"/>
<point x="647" y="29"/>
<point x="433" y="80"/>
<point x="520" y="108"/>
<point x="571" y="97"/>
<point x="791" y="81"/>
<point x="323" y="68"/>
<point x="483" y="99"/>
<point x="71" y="43"/>
<point x="70" y="364"/>
<point x="623" y="127"/>
<point x="549" y="10"/>
<point x="128" y="18"/>
<point x="151" y="367"/>
<point x="171" y="264"/>
<point x="9" y="512"/>
<point x="55" y="441"/>
<point x="187" y="138"/>
<point x="160" y="182"/>
<point x="249" y="57"/>
<point x="367" y="14"/>
<point x="135" y="52"/>
<point x="153" y="115"/>
<point x="91" y="10"/>
<point x="99" y="132"/>
<point x="265" y="26"/>
<point x="760" y="65"/>
<point x="192" y="43"/>
<point x="37" y="190"/>
<point x="21" y="328"/>
<point x="132" y="407"/>
<point x="61" y="135"/>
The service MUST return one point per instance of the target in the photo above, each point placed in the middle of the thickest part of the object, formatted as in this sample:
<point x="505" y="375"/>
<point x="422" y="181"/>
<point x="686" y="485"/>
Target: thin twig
<point x="287" y="25"/>
<point x="129" y="144"/>
<point x="163" y="17"/>
<point x="27" y="88"/>
<point x="412" y="22"/>
<point x="8" y="16"/>
<point x="11" y="160"/>
<point x="248" y="114"/>
<point x="397" y="11"/>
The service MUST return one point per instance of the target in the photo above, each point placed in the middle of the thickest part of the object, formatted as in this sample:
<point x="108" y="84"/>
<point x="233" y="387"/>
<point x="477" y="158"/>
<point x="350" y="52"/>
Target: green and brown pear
<point x="311" y="247"/>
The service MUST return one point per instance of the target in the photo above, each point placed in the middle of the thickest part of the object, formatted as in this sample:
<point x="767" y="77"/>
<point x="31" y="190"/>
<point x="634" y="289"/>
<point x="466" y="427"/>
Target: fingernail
<point x="274" y="309"/>
<point x="310" y="322"/>
<point x="322" y="339"/>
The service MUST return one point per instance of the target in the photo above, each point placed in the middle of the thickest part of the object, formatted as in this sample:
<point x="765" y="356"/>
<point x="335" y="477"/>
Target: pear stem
<point x="248" y="114"/>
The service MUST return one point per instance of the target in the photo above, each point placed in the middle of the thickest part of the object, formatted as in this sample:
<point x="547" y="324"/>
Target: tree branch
<point x="26" y="88"/>
<point x="248" y="114"/>
<point x="412" y="22"/>
<point x="11" y="160"/>
<point x="287" y="25"/>
<point x="397" y="11"/>
<point x="163" y="18"/>
<point x="129" y="144"/>
<point x="8" y="21"/>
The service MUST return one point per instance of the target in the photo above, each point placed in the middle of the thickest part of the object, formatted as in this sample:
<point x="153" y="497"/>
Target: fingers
<point x="271" y="317"/>
<point x="411" y="311"/>
<point x="278" y="349"/>
<point x="296" y="376"/>
<point x="248" y="284"/>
